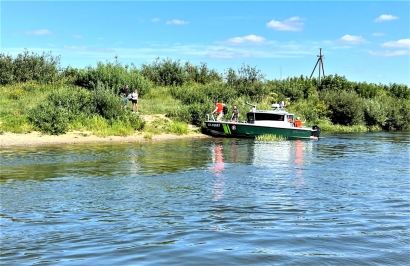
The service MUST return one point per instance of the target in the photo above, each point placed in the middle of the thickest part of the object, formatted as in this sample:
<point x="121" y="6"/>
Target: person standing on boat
<point x="219" y="110"/>
<point x="235" y="114"/>
<point x="298" y="122"/>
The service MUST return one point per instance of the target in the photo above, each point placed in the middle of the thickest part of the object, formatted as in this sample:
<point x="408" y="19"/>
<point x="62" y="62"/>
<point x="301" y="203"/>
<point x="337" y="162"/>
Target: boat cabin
<point x="276" y="117"/>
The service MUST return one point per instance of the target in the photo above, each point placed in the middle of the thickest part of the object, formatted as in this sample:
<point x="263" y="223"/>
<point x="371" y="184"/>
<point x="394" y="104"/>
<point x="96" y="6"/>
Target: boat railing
<point x="208" y="116"/>
<point x="253" y="106"/>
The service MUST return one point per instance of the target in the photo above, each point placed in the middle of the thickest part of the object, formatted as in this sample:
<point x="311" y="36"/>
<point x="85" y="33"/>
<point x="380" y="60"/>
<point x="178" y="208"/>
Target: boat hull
<point x="247" y="130"/>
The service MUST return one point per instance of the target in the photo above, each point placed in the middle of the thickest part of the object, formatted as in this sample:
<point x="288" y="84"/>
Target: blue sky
<point x="365" y="41"/>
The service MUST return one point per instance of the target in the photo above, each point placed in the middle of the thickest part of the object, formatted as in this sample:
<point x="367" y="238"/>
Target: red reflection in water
<point x="300" y="181"/>
<point x="219" y="163"/>
<point x="218" y="187"/>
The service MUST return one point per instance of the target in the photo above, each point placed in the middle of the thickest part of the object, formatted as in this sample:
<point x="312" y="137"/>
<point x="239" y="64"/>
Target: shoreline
<point x="35" y="138"/>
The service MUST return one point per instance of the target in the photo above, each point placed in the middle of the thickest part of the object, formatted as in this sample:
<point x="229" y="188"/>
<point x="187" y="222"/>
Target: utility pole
<point x="320" y="63"/>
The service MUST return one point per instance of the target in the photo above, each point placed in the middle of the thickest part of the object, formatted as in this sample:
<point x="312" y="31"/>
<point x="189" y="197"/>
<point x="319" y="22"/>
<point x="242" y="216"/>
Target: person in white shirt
<point x="134" y="100"/>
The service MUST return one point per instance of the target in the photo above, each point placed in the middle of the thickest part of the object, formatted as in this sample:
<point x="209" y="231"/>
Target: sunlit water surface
<point x="343" y="200"/>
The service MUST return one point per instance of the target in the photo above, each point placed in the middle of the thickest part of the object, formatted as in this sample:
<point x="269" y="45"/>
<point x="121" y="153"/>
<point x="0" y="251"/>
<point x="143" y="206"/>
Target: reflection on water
<point x="217" y="169"/>
<point x="299" y="180"/>
<point x="342" y="200"/>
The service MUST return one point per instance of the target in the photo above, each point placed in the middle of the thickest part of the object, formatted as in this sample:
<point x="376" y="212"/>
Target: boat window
<point x="290" y="118"/>
<point x="251" y="118"/>
<point x="264" y="116"/>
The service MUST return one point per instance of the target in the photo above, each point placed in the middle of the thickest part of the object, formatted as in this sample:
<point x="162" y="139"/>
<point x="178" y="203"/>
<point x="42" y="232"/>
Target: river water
<point x="342" y="200"/>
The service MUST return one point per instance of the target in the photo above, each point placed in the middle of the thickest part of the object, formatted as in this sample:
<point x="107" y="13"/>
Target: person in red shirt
<point x="219" y="110"/>
<point x="298" y="122"/>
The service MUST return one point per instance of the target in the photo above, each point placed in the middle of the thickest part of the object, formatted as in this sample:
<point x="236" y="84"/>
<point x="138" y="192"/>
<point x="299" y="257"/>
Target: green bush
<point x="290" y="88"/>
<point x="192" y="93"/>
<point x="194" y="113"/>
<point x="113" y="76"/>
<point x="335" y="83"/>
<point x="49" y="118"/>
<point x="346" y="107"/>
<point x="398" y="115"/>
<point x="198" y="112"/>
<point x="366" y="90"/>
<point x="399" y="91"/>
<point x="182" y="113"/>
<point x="29" y="67"/>
<point x="200" y="74"/>
<point x="107" y="104"/>
<point x="6" y="69"/>
<point x="164" y="72"/>
<point x="73" y="100"/>
<point x="310" y="110"/>
<point x="134" y="121"/>
<point x="375" y="113"/>
<point x="65" y="105"/>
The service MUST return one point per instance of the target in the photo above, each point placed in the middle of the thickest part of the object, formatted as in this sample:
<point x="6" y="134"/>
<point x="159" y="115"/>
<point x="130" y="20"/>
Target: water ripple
<point x="336" y="201"/>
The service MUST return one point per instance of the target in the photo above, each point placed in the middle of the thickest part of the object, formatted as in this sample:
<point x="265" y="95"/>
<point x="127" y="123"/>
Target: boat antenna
<point x="320" y="62"/>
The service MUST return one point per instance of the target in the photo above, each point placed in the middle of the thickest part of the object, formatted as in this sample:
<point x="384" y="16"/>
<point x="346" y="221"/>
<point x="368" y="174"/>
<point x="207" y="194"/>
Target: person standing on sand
<point x="134" y="100"/>
<point x="123" y="93"/>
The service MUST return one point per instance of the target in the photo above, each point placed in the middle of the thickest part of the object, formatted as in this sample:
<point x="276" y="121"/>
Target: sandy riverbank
<point x="78" y="137"/>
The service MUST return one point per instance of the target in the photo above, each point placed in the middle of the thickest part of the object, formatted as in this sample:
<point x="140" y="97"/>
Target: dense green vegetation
<point x="36" y="93"/>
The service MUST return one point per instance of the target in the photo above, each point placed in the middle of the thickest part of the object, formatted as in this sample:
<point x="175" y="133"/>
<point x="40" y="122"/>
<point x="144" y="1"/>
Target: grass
<point x="148" y="136"/>
<point x="158" y="101"/>
<point x="330" y="128"/>
<point x="163" y="125"/>
<point x="178" y="128"/>
<point x="270" y="137"/>
<point x="15" y="101"/>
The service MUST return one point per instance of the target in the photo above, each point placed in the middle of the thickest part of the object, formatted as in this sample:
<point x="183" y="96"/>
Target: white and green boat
<point x="277" y="122"/>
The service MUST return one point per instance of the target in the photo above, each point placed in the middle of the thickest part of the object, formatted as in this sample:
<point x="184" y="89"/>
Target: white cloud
<point x="291" y="24"/>
<point x="77" y="36"/>
<point x="378" y="34"/>
<point x="389" y="53"/>
<point x="155" y="20"/>
<point x="351" y="40"/>
<point x="38" y="32"/>
<point x="382" y="18"/>
<point x="177" y="22"/>
<point x="403" y="43"/>
<point x="249" y="38"/>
